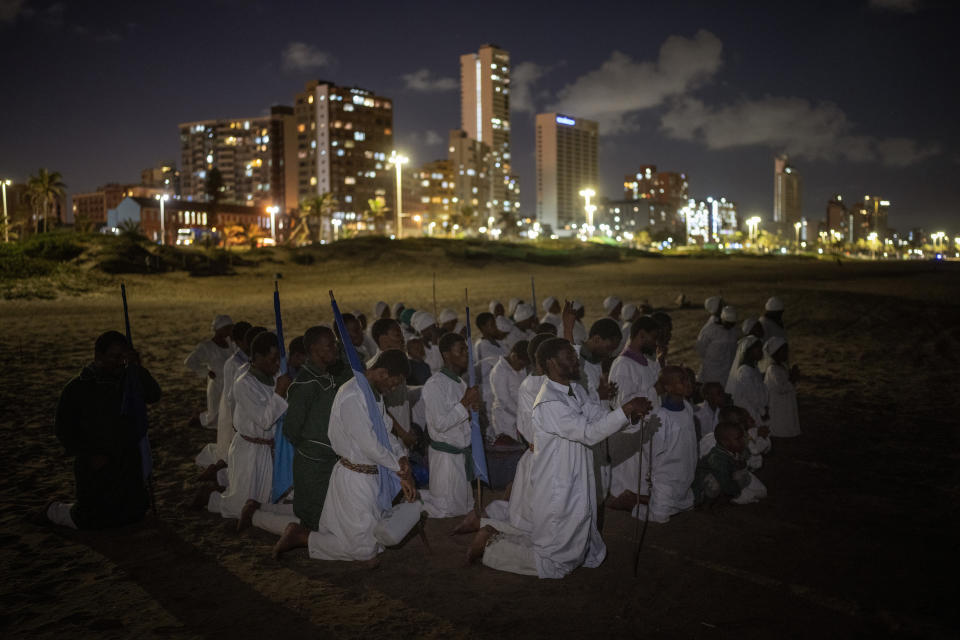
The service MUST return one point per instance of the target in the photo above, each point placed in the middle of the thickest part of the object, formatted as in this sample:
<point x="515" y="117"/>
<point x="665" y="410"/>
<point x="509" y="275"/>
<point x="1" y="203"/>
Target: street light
<point x="273" y="222"/>
<point x="6" y="220"/>
<point x="796" y="227"/>
<point x="588" y="208"/>
<point x="753" y="227"/>
<point x="336" y="228"/>
<point x="398" y="161"/>
<point x="163" y="227"/>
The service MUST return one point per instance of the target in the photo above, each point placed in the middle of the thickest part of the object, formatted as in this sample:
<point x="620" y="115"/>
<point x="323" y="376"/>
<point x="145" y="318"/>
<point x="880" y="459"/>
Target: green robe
<point x="107" y="467"/>
<point x="721" y="464"/>
<point x="309" y="400"/>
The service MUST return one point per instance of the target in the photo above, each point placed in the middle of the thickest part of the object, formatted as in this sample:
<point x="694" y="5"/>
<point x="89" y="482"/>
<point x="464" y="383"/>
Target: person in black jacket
<point x="97" y="422"/>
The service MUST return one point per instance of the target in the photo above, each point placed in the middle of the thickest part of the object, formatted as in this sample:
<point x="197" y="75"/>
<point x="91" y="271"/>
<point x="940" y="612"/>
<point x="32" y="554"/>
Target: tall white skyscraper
<point x="566" y="164"/>
<point x="485" y="117"/>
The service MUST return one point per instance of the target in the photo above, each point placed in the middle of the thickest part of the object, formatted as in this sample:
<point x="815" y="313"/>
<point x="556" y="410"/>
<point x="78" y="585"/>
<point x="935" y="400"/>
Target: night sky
<point x="862" y="96"/>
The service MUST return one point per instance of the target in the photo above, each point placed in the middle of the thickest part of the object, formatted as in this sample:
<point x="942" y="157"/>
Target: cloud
<point x="522" y="78"/>
<point x="900" y="6"/>
<point x="423" y="80"/>
<point x="813" y="131"/>
<point x="9" y="10"/>
<point x="300" y="56"/>
<point x="622" y="86"/>
<point x="431" y="138"/>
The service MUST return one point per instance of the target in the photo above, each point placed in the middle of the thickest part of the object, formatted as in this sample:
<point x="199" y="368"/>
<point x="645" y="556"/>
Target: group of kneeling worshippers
<point x="606" y="423"/>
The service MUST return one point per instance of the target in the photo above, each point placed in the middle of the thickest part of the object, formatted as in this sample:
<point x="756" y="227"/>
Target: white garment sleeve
<point x="197" y="360"/>
<point x="703" y="340"/>
<point x="777" y="381"/>
<point x="443" y="413"/>
<point x="262" y="415"/>
<point x="501" y="381"/>
<point x="355" y="415"/>
<point x="560" y="419"/>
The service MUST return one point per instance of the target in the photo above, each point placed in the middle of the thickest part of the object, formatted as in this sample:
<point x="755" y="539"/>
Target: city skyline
<point x="690" y="92"/>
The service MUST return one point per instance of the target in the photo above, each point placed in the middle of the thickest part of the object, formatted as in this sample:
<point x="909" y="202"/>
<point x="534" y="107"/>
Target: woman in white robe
<point x="781" y="394"/>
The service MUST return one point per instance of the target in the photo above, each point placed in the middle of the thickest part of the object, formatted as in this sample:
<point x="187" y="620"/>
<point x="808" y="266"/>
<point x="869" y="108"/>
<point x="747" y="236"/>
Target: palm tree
<point x="213" y="187"/>
<point x="377" y="211"/>
<point x="508" y="223"/>
<point x="44" y="189"/>
<point x="314" y="209"/>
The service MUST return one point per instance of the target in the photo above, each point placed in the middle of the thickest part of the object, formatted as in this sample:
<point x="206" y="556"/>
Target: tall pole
<point x="163" y="223"/>
<point x="398" y="161"/>
<point x="6" y="219"/>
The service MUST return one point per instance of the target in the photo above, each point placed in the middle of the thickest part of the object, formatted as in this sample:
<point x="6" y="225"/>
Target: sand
<point x="857" y="536"/>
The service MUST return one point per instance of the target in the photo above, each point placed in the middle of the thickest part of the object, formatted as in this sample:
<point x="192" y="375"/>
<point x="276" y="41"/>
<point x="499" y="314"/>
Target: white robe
<point x="593" y="372"/>
<point x="249" y="465"/>
<point x="448" y="421"/>
<point x="505" y="382"/>
<point x="563" y="493"/>
<point x="236" y="366"/>
<point x="206" y="357"/>
<point x="350" y="510"/>
<point x="555" y="320"/>
<point x="632" y="379"/>
<point x="707" y="416"/>
<point x="516" y="335"/>
<point x="750" y="393"/>
<point x="484" y="348"/>
<point x="716" y="346"/>
<point x="782" y="400"/>
<point x="579" y="333"/>
<point x="674" y="464"/>
<point x="433" y="358"/>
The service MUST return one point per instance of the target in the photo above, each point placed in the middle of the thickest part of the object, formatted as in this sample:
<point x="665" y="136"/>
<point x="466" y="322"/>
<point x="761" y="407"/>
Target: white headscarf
<point x="742" y="346"/>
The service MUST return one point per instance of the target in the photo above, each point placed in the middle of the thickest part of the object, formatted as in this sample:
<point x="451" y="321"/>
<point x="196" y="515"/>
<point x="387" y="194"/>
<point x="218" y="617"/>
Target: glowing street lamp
<point x="398" y="161"/>
<point x="163" y="223"/>
<point x="273" y="221"/>
<point x="6" y="220"/>
<point x="753" y="227"/>
<point x="588" y="208"/>
<point x="336" y="228"/>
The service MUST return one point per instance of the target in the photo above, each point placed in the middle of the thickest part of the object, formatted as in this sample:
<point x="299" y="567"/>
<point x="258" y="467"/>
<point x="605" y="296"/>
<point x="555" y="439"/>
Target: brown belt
<point x="263" y="441"/>
<point x="370" y="469"/>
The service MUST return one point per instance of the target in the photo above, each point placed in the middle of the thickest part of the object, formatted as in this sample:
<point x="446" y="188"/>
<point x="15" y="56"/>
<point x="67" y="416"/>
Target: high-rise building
<point x="163" y="176"/>
<point x="485" y="117"/>
<point x="711" y="221"/>
<point x="431" y="193"/>
<point x="836" y="215"/>
<point x="470" y="168"/>
<point x="344" y="141"/>
<point x="667" y="192"/>
<point x="566" y="163"/>
<point x="877" y="209"/>
<point x="786" y="194"/>
<point x="254" y="156"/>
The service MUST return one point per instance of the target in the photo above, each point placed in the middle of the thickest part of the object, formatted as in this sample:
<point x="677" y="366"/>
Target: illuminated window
<point x="359" y="135"/>
<point x="313" y="180"/>
<point x="348" y="107"/>
<point x="310" y="99"/>
<point x="349" y="180"/>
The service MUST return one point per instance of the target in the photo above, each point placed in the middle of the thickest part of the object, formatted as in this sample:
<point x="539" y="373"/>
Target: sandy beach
<point x="857" y="536"/>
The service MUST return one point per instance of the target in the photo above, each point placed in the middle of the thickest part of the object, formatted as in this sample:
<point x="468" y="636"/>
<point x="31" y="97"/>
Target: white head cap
<point x="548" y="302"/>
<point x="610" y="303"/>
<point x="397" y="308"/>
<point x="379" y="308"/>
<point x="773" y="345"/>
<point x="493" y="305"/>
<point x="748" y="325"/>
<point x="774" y="304"/>
<point x="504" y="324"/>
<point x="446" y="316"/>
<point x="576" y="305"/>
<point x="729" y="314"/>
<point x="220" y="322"/>
<point x="512" y="305"/>
<point x="422" y="320"/>
<point x="712" y="304"/>
<point x="628" y="310"/>
<point x="524" y="311"/>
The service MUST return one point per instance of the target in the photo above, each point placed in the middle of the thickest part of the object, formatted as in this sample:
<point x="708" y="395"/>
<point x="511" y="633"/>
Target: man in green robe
<point x="308" y="414"/>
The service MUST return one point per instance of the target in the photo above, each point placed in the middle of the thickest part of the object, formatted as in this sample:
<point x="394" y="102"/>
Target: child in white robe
<point x="781" y="394"/>
<point x="505" y="379"/>
<point x="207" y="360"/>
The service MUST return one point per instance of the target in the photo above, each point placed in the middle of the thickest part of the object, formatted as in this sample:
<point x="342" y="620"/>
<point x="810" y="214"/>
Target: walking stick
<point x="646" y="515"/>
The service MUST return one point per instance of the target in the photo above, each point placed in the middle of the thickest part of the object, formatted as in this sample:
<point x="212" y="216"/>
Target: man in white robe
<point x="388" y="335"/>
<point x="669" y="460"/>
<point x="448" y="400"/>
<point x="579" y="331"/>
<point x="772" y="319"/>
<point x="505" y="379"/>
<point x="259" y="396"/>
<point x="717" y="346"/>
<point x="566" y="423"/>
<point x="525" y="321"/>
<point x="488" y="350"/>
<point x="425" y="325"/>
<point x="551" y="308"/>
<point x="351" y="513"/>
<point x="706" y="415"/>
<point x="634" y="373"/>
<point x="207" y="360"/>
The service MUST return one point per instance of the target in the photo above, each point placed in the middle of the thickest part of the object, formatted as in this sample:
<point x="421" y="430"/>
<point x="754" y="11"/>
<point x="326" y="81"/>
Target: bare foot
<point x="294" y="537"/>
<point x="210" y="473"/>
<point x="246" y="514"/>
<point x="475" y="551"/>
<point x="469" y="524"/>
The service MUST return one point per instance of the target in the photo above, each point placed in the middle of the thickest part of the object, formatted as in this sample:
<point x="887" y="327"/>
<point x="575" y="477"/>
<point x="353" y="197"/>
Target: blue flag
<point x="133" y="405"/>
<point x="389" y="481"/>
<point x="476" y="438"/>
<point x="282" y="448"/>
